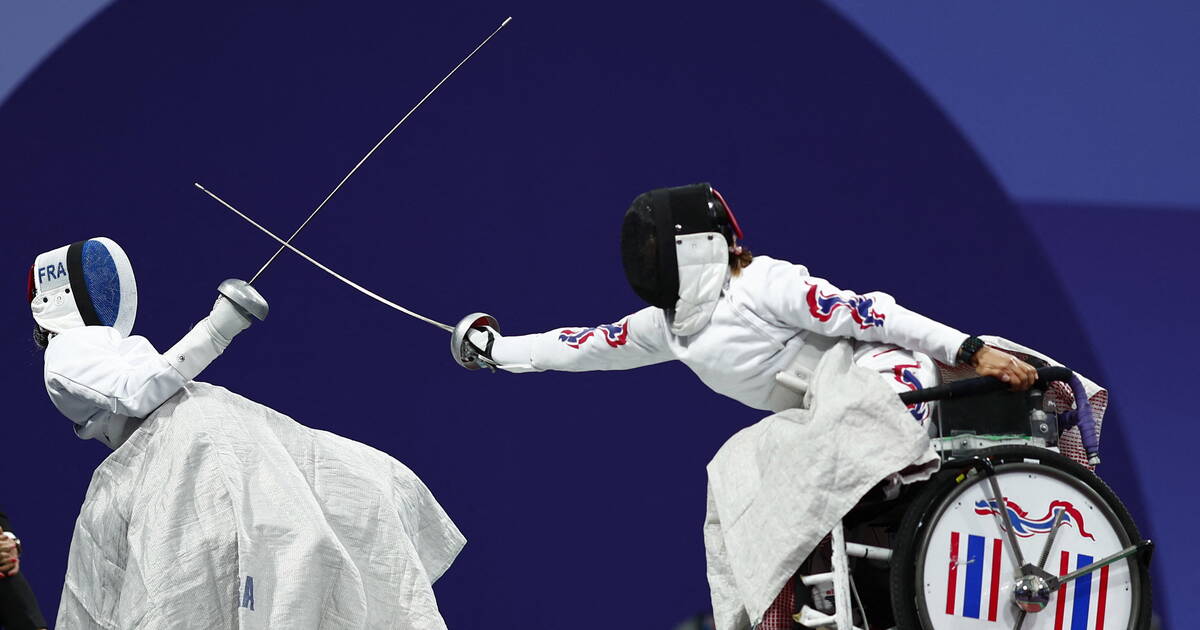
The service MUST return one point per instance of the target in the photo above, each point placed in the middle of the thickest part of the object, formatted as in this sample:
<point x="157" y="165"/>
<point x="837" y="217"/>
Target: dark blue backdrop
<point x="582" y="495"/>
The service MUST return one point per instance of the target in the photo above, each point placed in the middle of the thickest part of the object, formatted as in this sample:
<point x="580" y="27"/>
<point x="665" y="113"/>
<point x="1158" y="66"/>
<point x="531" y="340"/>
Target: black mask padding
<point x="79" y="290"/>
<point x="652" y="271"/>
<point x="648" y="234"/>
<point x="692" y="209"/>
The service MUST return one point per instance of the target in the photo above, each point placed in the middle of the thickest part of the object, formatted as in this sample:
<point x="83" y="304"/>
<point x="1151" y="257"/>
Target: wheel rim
<point x="977" y="590"/>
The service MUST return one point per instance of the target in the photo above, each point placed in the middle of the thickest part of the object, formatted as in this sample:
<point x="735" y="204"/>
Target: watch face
<point x="969" y="348"/>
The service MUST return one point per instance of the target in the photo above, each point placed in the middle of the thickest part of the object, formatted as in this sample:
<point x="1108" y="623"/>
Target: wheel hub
<point x="1031" y="593"/>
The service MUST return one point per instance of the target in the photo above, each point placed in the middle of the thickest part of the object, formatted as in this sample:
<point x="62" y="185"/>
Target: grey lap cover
<point x="222" y="513"/>
<point x="777" y="487"/>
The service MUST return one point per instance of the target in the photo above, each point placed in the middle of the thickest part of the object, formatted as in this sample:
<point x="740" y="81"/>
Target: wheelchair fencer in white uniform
<point x="756" y="329"/>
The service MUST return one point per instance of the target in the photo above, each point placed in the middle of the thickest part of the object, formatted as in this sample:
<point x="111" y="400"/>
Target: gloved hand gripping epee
<point x="237" y="307"/>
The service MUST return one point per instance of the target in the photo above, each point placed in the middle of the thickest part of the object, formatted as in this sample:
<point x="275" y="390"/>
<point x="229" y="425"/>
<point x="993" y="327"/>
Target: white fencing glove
<point x="510" y="354"/>
<point x="239" y="304"/>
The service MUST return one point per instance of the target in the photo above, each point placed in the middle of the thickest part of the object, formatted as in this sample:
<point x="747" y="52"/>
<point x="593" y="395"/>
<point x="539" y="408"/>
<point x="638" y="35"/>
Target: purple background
<point x="581" y="495"/>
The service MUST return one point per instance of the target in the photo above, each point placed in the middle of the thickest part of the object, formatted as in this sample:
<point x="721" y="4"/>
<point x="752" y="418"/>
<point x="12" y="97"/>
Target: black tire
<point x="915" y="526"/>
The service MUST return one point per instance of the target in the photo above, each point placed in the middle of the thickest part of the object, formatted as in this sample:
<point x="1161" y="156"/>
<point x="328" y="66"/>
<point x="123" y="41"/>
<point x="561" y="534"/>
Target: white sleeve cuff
<point x="514" y="354"/>
<point x="951" y="343"/>
<point x="199" y="347"/>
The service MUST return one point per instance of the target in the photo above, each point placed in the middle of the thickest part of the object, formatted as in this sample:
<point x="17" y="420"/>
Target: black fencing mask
<point x="648" y="234"/>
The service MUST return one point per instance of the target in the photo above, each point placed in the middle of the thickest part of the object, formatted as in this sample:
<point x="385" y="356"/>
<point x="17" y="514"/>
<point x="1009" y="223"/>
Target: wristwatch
<point x="14" y="538"/>
<point x="967" y="350"/>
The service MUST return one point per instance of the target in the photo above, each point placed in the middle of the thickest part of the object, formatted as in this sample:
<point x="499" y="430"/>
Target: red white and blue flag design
<point x="978" y="570"/>
<point x="1026" y="526"/>
<point x="905" y="374"/>
<point x="973" y="577"/>
<point x="822" y="306"/>
<point x="614" y="334"/>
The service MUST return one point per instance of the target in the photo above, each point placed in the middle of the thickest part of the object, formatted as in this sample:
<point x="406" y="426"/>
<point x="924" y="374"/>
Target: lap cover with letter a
<point x="221" y="513"/>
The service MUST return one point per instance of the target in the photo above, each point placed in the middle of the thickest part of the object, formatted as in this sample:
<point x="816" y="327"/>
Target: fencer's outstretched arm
<point x="633" y="341"/>
<point x="102" y="381"/>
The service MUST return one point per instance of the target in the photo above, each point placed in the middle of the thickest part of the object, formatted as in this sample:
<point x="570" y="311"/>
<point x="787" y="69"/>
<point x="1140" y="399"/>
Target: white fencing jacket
<point x="772" y="317"/>
<point x="217" y="512"/>
<point x="106" y="383"/>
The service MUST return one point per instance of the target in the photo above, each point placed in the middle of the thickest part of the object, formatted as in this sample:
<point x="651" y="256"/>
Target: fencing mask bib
<point x="89" y="283"/>
<point x="675" y="245"/>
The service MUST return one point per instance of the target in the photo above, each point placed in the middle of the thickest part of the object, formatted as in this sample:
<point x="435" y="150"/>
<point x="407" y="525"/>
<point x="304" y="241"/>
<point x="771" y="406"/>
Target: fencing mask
<point x="669" y="236"/>
<point x="89" y="283"/>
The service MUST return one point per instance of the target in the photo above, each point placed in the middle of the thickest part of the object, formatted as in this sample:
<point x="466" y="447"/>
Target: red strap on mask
<point x="737" y="229"/>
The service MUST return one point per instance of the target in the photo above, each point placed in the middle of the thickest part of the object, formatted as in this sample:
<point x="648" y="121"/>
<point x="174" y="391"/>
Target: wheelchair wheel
<point x="953" y="566"/>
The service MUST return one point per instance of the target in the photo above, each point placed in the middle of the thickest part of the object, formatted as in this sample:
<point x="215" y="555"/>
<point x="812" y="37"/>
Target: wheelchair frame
<point x="1034" y="584"/>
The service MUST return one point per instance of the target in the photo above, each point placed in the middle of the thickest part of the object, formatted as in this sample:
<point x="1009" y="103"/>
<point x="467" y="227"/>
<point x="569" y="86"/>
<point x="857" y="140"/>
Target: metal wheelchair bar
<point x="810" y="618"/>
<point x="1046" y="375"/>
<point x="856" y="550"/>
<point x="842" y="607"/>
<point x="817" y="578"/>
<point x="870" y="552"/>
<point x="1131" y="550"/>
<point x="982" y="385"/>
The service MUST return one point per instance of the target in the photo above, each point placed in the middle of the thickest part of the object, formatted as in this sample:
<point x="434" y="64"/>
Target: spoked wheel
<point x="963" y="542"/>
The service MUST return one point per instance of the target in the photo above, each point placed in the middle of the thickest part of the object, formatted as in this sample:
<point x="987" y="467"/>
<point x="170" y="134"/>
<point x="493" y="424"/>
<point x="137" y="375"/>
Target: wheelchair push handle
<point x="1046" y="375"/>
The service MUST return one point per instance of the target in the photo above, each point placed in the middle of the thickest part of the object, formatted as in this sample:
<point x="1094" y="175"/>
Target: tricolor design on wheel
<point x="976" y="588"/>
<point x="1025" y="527"/>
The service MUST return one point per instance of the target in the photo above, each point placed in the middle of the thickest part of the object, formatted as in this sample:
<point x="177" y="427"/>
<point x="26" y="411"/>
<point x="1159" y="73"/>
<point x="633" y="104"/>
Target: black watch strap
<point x="967" y="350"/>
